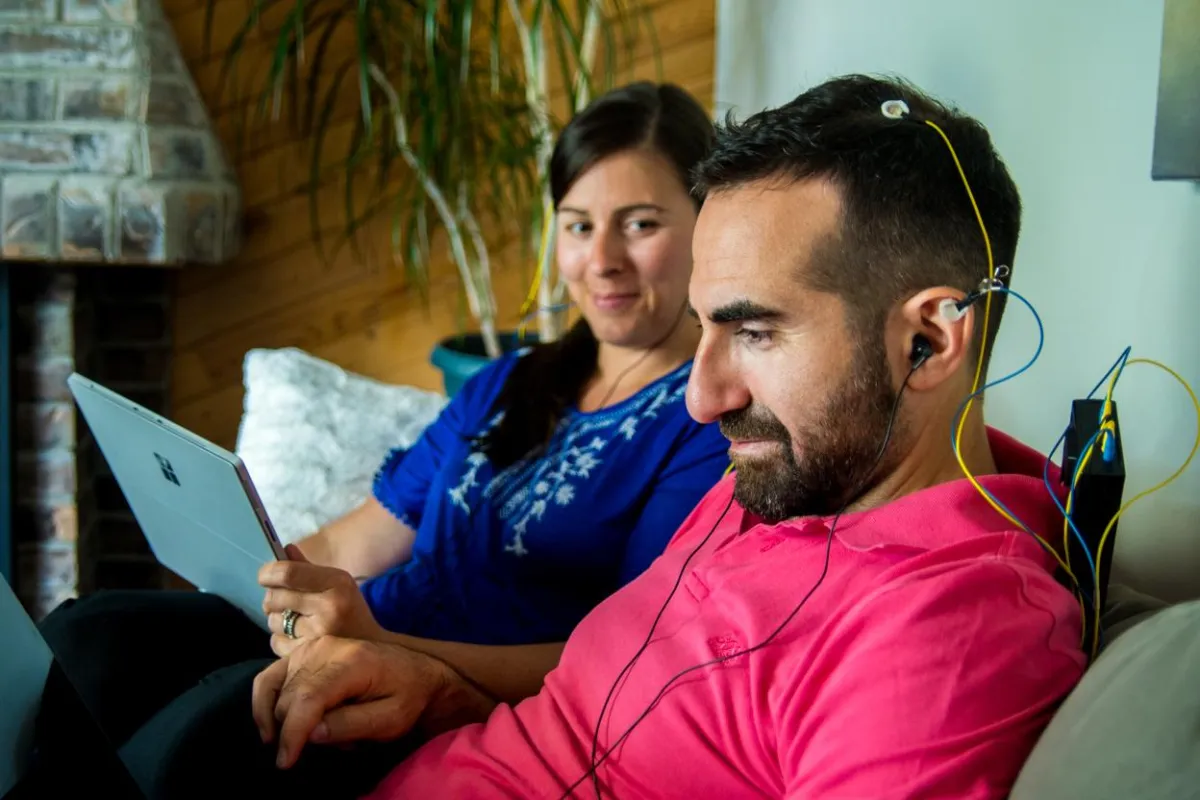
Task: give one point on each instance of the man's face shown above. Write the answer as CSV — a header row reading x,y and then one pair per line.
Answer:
x,y
803,397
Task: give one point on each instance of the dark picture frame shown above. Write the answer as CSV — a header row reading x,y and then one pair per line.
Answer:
x,y
1177,121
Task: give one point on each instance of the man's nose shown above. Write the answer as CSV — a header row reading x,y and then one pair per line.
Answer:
x,y
714,387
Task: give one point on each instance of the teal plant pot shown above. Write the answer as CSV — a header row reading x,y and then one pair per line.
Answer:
x,y
460,357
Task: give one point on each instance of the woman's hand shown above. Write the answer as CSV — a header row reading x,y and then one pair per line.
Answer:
x,y
325,600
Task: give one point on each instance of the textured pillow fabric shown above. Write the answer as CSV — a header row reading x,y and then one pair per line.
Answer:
x,y
1131,729
1124,608
312,435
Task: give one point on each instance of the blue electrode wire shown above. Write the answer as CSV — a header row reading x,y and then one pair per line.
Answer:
x,y
1041,341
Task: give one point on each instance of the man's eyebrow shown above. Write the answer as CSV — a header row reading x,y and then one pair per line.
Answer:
x,y
743,311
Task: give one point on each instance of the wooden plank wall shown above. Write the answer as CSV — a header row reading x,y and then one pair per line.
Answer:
x,y
279,292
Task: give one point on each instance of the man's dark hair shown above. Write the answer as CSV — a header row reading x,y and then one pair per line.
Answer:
x,y
907,222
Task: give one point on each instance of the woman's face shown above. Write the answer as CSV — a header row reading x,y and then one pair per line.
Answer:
x,y
624,246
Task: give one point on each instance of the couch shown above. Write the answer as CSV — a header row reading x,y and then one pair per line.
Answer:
x,y
313,433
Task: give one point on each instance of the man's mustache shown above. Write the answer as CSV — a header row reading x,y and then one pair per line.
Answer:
x,y
752,423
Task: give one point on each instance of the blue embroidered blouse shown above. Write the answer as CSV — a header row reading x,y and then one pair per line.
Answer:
x,y
521,556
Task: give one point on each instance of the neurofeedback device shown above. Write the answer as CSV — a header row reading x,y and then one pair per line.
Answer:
x,y
1099,484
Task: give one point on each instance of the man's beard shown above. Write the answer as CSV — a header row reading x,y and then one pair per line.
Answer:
x,y
841,448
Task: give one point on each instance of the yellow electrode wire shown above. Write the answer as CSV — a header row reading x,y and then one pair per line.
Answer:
x,y
1112,522
531,298
1107,428
987,307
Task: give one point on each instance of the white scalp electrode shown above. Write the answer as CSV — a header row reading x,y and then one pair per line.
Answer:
x,y
894,109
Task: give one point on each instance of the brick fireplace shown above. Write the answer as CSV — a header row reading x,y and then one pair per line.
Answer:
x,y
110,180
74,531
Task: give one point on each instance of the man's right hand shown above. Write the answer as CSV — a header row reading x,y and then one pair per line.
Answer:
x,y
331,691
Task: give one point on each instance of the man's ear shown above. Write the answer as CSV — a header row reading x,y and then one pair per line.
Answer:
x,y
923,321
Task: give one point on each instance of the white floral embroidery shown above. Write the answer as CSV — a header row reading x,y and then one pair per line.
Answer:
x,y
458,495
525,490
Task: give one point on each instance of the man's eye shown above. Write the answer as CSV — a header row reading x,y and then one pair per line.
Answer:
x,y
751,336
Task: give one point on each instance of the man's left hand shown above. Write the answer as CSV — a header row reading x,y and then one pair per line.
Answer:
x,y
336,691
327,600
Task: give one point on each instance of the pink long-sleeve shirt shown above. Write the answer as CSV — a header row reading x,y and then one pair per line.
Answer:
x,y
925,664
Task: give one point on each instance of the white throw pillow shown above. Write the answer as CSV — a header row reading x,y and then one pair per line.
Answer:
x,y
313,435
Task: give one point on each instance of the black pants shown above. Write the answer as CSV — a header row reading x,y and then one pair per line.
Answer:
x,y
168,677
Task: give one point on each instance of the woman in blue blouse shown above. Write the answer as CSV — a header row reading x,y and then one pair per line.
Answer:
x,y
520,552
555,476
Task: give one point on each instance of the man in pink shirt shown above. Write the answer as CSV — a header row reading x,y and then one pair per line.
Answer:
x,y
847,616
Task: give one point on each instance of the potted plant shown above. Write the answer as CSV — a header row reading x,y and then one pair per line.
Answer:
x,y
454,129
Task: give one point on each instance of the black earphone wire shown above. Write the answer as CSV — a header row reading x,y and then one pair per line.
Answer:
x,y
649,636
593,771
663,609
612,389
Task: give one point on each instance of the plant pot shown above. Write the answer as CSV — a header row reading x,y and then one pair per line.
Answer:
x,y
460,357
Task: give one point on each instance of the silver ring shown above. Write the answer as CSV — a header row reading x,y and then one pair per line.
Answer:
x,y
289,623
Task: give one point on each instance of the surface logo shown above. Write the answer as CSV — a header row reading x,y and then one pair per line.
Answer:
x,y
167,470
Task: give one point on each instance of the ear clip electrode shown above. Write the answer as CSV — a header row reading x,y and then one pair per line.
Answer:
x,y
954,310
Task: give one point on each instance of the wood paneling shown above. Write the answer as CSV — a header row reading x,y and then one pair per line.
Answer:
x,y
357,313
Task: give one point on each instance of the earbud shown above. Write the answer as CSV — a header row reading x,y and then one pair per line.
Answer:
x,y
922,351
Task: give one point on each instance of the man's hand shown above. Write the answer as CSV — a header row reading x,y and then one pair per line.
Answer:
x,y
333,691
328,601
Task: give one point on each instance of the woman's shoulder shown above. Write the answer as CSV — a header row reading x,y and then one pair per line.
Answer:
x,y
485,384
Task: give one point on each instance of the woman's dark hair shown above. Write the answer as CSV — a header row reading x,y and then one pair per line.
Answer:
x,y
544,383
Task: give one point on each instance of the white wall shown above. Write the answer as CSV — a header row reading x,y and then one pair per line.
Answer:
x,y
1109,257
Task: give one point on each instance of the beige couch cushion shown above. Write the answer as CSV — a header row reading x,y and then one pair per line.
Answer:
x,y
1131,728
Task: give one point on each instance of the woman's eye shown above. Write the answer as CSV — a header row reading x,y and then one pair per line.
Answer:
x,y
642,225
579,228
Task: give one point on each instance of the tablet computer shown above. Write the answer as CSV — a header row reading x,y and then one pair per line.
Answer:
x,y
194,501
29,672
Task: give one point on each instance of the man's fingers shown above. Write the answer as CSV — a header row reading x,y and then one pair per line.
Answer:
x,y
307,696
304,709
267,685
374,720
